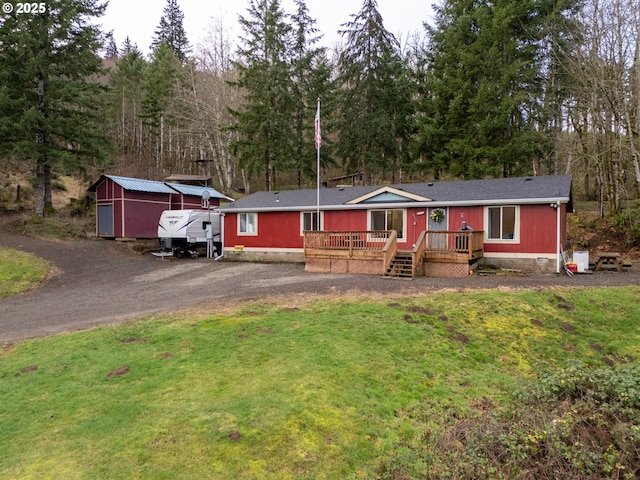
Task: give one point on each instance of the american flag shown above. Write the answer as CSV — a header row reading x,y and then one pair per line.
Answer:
x,y
318,136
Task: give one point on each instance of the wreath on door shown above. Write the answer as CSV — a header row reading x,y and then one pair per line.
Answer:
x,y
437,215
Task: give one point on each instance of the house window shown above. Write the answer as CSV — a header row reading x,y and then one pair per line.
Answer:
x,y
501,223
309,221
247,224
387,220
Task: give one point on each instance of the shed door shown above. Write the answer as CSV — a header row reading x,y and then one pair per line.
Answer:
x,y
105,220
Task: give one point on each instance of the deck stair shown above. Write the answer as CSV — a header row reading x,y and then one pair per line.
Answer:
x,y
401,266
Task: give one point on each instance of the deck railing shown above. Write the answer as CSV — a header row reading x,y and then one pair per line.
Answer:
x,y
469,242
453,246
373,240
417,254
379,246
390,249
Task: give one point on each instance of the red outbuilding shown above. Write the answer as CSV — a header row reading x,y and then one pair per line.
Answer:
x,y
131,207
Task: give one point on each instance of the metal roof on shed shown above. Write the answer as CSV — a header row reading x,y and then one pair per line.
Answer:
x,y
136,184
196,191
152,186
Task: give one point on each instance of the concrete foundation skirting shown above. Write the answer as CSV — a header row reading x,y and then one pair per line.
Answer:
x,y
529,265
261,256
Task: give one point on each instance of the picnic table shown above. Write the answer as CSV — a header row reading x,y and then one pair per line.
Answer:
x,y
608,258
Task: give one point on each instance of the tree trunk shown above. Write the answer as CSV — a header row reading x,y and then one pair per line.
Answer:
x,y
245,181
42,156
48,197
39,211
267,175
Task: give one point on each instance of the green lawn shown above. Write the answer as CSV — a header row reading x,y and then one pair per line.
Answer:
x,y
335,388
20,271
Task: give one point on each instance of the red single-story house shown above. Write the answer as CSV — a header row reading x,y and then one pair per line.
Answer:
x,y
131,207
521,221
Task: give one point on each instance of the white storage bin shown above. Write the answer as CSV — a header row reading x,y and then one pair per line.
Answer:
x,y
582,259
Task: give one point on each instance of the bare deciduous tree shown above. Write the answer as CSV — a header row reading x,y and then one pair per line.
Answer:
x,y
202,109
604,108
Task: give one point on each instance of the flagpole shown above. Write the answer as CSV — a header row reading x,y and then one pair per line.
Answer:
x,y
318,142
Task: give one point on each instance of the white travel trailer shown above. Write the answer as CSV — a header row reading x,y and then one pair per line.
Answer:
x,y
188,231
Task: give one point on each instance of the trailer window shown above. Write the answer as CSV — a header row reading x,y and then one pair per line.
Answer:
x,y
247,224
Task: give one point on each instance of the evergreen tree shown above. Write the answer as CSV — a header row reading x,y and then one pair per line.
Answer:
x,y
50,109
111,48
375,100
171,31
159,81
126,99
264,123
482,112
311,80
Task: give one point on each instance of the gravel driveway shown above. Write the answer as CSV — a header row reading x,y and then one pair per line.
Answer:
x,y
101,282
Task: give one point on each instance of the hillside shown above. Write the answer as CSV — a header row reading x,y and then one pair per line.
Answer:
x,y
587,231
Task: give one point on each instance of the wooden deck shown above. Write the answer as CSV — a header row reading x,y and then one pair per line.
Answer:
x,y
374,251
453,246
367,251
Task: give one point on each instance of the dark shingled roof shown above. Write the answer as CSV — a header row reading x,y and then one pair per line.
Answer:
x,y
470,192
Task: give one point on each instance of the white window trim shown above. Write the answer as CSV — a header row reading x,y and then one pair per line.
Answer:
x,y
248,234
516,233
302,221
404,221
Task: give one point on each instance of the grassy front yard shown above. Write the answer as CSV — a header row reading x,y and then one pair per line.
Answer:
x,y
20,271
330,388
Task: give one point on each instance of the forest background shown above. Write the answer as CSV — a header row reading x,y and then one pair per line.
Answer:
x,y
489,89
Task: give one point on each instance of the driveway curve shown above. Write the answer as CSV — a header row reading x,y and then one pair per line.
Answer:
x,y
99,282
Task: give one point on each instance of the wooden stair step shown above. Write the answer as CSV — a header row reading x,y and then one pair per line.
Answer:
x,y
401,267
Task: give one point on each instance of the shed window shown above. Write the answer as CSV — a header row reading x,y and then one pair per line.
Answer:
x,y
501,223
247,223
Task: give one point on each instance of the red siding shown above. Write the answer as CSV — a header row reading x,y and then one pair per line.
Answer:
x,y
537,229
343,220
103,191
118,222
563,224
142,212
474,216
538,232
282,229
275,230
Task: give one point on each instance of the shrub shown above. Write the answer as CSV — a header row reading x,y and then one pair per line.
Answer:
x,y
81,206
575,423
629,221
